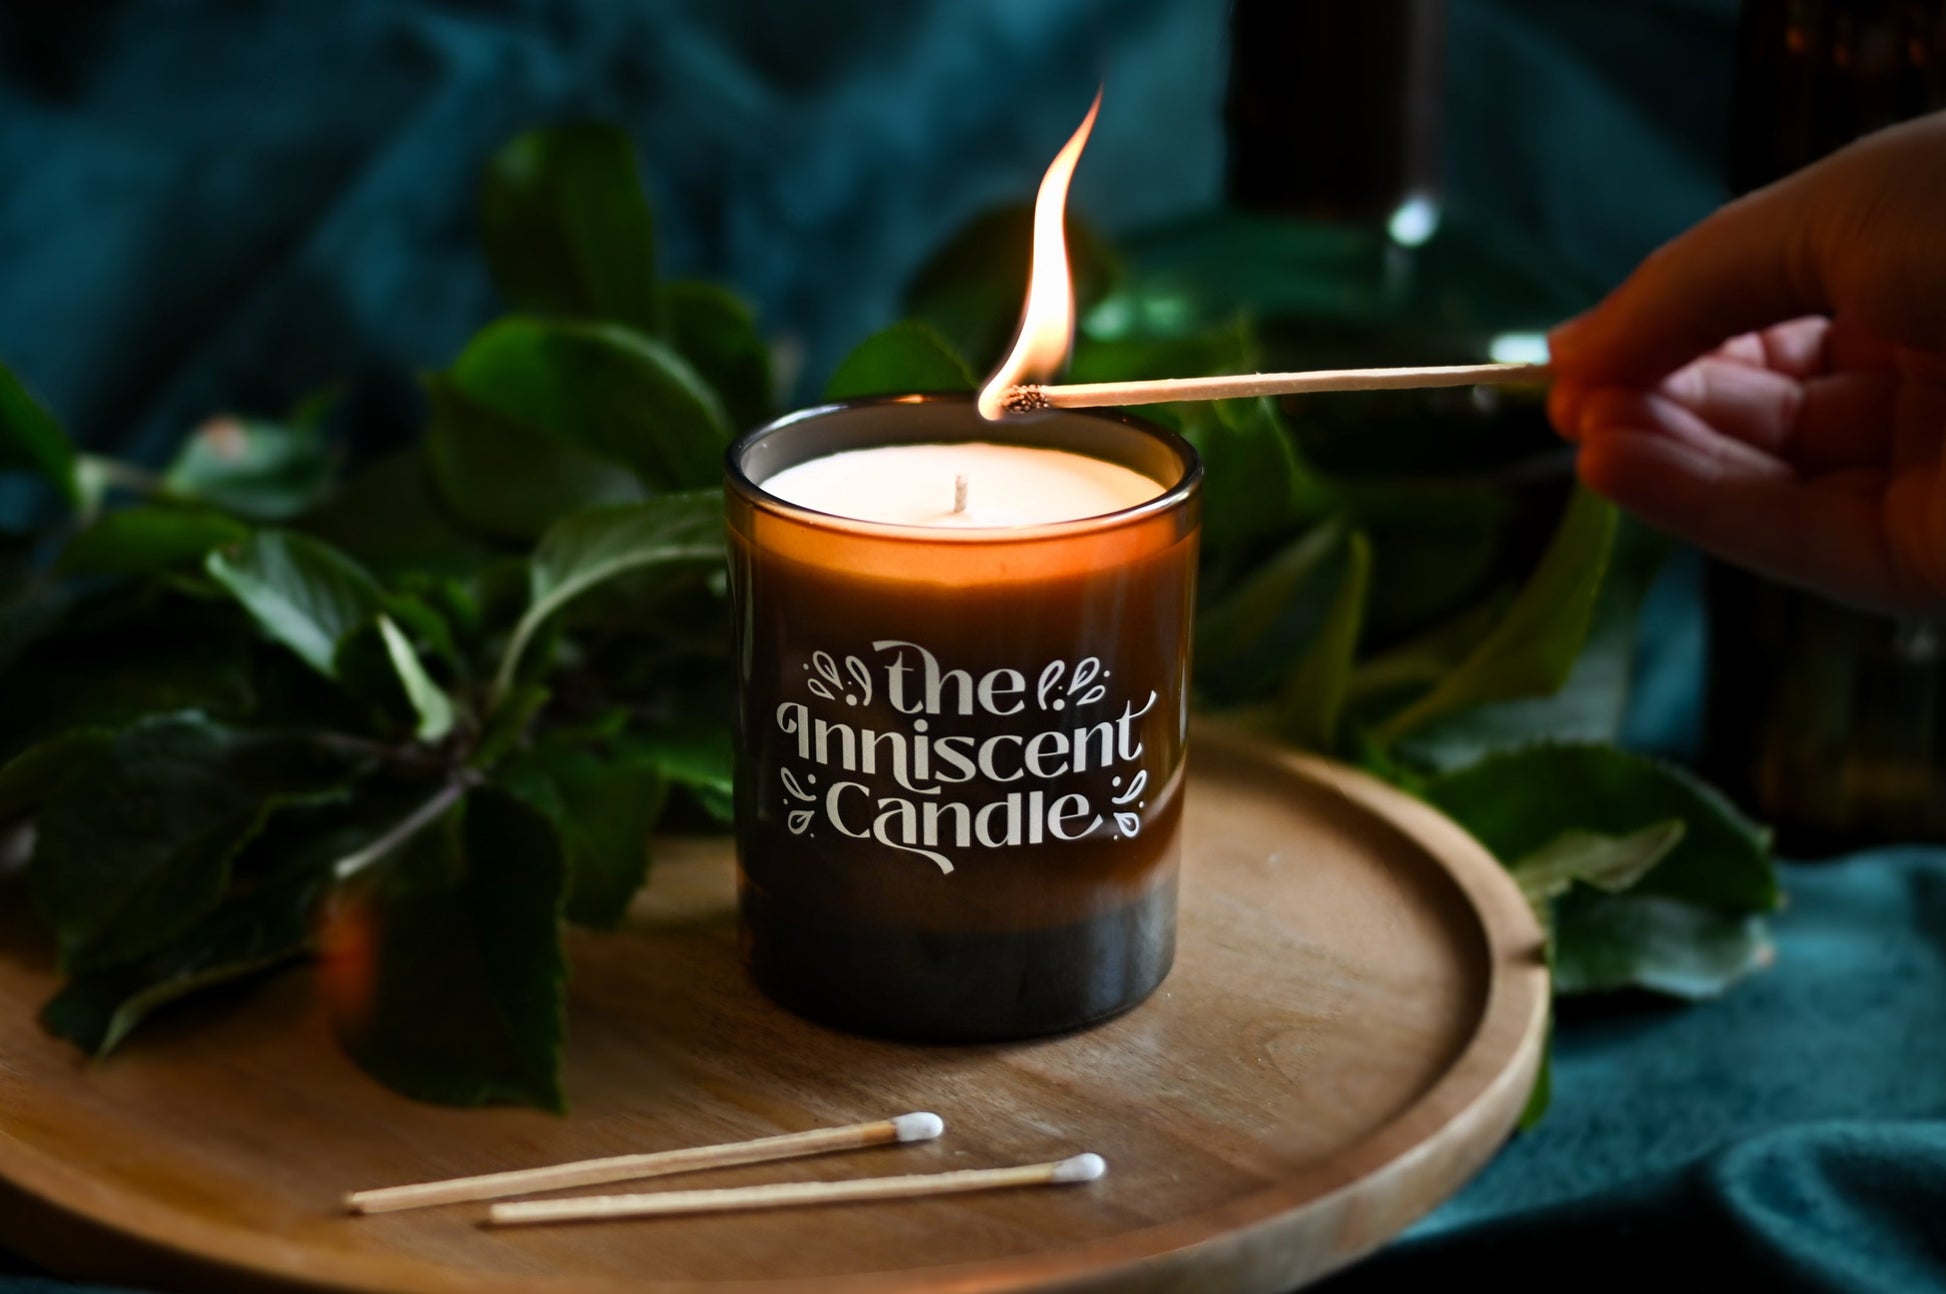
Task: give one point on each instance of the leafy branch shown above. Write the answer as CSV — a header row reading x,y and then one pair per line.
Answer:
x,y
397,719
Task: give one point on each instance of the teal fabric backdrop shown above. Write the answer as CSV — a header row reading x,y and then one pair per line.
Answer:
x,y
219,205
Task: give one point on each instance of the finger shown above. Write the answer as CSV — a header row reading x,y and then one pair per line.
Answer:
x,y
1850,347
1576,407
1825,424
1855,235
1798,347
1847,420
1565,399
1825,536
1916,418
1758,406
1795,348
1651,414
1744,268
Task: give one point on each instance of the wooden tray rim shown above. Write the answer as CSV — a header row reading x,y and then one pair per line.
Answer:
x,y
1486,1085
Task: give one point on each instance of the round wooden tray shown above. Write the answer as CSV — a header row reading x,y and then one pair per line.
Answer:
x,y
1355,1016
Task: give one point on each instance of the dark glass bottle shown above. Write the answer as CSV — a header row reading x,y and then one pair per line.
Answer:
x,y
1337,244
1333,109
1828,722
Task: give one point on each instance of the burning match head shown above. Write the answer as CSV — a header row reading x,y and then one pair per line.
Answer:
x,y
1025,399
921,1126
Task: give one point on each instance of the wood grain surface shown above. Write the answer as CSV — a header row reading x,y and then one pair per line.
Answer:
x,y
1356,1013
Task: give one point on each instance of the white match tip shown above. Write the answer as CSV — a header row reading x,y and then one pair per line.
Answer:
x,y
921,1126
1082,1168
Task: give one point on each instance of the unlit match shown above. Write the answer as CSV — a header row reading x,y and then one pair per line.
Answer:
x,y
1085,395
780,1195
919,1126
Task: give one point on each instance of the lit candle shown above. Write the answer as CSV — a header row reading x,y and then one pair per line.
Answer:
x,y
974,485
960,733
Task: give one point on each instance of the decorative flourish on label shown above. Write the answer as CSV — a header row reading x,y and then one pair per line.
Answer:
x,y
1084,674
828,678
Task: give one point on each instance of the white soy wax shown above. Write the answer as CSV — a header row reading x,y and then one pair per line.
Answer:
x,y
976,485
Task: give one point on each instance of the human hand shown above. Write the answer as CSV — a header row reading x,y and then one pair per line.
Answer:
x,y
1771,385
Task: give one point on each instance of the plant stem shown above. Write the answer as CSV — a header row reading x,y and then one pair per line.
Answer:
x,y
402,832
128,476
503,679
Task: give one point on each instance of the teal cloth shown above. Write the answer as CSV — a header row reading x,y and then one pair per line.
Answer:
x,y
219,205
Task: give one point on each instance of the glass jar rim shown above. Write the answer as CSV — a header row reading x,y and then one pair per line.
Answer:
x,y
1172,496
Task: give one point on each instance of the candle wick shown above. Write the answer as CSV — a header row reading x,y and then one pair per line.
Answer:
x,y
959,494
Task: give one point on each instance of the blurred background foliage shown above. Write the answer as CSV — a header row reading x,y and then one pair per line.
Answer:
x,y
1404,580
224,204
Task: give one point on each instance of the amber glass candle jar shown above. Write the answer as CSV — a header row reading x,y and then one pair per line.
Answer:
x,y
960,751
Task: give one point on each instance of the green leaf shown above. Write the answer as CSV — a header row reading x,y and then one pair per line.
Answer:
x,y
971,289
141,540
1253,482
429,700
582,551
425,625
367,669
907,358
263,927
135,845
1590,705
508,725
1229,348
1247,639
567,228
603,390
301,592
1428,573
468,978
604,808
1609,863
268,919
389,516
1311,701
1421,661
1519,802
502,478
27,618
713,328
262,471
694,755
1187,272
1612,941
32,441
436,606
129,651
31,777
1533,650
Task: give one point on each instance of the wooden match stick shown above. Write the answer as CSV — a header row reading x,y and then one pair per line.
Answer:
x,y
595,1208
621,1168
1027,399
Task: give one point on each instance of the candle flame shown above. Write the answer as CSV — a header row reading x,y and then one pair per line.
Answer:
x,y
1047,319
